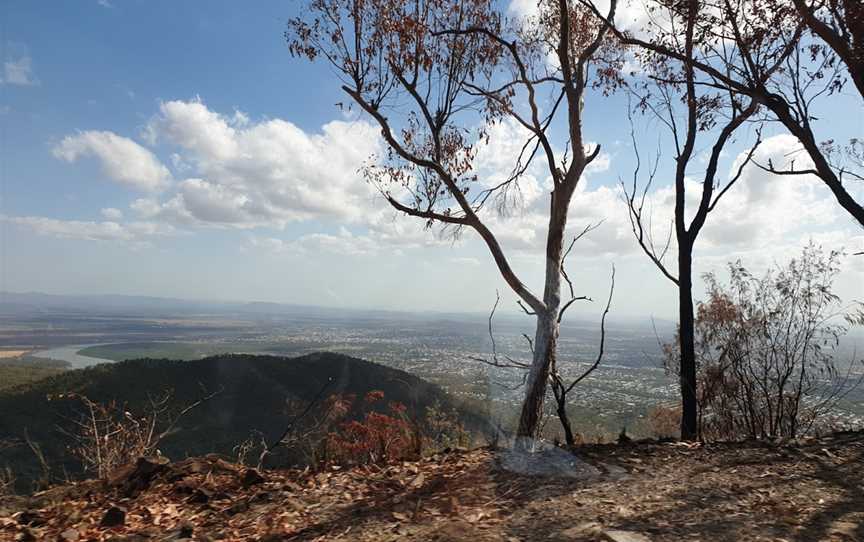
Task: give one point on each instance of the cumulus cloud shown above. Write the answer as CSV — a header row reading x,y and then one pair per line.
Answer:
x,y
111,213
753,217
247,174
343,243
92,231
242,173
19,71
123,160
756,212
629,14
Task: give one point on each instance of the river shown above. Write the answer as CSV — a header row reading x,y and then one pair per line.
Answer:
x,y
70,355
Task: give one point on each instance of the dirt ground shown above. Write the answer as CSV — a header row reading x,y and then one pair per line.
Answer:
x,y
811,490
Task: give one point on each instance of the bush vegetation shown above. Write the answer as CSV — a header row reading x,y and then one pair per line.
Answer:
x,y
767,350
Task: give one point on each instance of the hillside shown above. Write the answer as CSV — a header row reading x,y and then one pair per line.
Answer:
x,y
16,375
253,392
640,492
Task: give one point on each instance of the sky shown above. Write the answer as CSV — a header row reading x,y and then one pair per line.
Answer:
x,y
176,149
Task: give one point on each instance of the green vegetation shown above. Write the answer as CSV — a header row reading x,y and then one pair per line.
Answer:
x,y
17,375
254,399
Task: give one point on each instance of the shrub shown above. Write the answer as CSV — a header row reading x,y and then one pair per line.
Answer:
x,y
107,436
377,438
767,349
664,421
7,482
444,430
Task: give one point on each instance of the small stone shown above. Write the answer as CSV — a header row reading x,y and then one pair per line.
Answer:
x,y
114,517
184,532
31,518
252,477
845,528
580,531
625,536
237,507
200,496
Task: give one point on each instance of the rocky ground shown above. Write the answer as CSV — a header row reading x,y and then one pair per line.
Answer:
x,y
811,490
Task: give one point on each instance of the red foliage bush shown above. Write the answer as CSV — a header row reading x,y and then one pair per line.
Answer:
x,y
378,438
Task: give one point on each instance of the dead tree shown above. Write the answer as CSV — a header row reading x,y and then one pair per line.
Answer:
x,y
426,73
708,114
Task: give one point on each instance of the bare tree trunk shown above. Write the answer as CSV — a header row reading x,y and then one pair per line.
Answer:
x,y
545,345
546,336
687,346
565,422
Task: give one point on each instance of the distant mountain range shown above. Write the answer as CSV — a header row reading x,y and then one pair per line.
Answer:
x,y
38,303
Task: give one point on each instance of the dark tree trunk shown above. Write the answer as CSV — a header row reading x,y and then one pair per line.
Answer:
x,y
801,130
687,345
565,423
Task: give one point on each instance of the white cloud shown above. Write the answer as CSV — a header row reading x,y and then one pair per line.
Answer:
x,y
19,72
92,231
248,174
122,159
756,213
111,213
629,14
343,243
753,218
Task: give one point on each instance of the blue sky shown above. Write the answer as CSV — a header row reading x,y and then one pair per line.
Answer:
x,y
132,129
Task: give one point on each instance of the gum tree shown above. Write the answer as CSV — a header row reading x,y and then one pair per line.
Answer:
x,y
434,74
697,115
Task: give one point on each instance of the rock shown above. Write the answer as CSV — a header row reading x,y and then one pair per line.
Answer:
x,y
580,531
625,536
237,507
138,477
615,472
252,477
31,518
846,528
551,461
70,535
184,532
114,517
201,495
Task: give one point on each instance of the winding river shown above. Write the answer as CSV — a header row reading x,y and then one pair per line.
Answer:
x,y
70,355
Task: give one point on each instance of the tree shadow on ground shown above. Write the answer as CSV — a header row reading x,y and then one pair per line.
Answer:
x,y
723,492
728,492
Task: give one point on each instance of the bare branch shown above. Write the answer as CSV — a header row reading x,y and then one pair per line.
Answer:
x,y
599,357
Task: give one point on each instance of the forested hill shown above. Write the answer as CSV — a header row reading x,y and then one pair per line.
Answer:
x,y
256,396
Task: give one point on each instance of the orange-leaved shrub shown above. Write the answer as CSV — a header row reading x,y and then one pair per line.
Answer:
x,y
379,437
